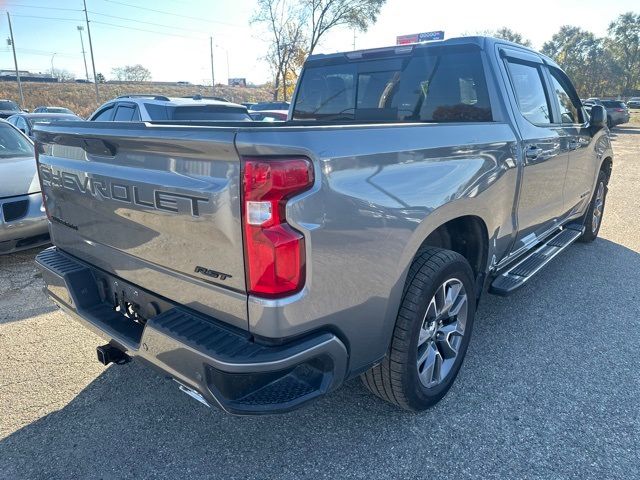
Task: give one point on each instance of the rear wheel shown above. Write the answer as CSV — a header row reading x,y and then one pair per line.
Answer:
x,y
593,217
431,334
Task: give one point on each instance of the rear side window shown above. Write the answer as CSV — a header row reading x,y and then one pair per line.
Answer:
x,y
530,92
427,87
570,106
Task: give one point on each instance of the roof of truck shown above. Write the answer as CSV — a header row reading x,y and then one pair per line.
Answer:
x,y
481,41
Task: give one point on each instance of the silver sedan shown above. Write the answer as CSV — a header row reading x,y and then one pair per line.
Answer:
x,y
23,221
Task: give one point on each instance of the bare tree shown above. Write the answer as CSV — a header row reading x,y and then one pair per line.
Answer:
x,y
325,15
62,75
285,22
131,73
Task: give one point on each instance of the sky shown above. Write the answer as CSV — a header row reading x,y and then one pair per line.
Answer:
x,y
171,37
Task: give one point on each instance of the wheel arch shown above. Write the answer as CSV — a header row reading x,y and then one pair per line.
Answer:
x,y
466,235
607,166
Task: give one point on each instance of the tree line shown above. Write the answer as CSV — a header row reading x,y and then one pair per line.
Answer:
x,y
598,66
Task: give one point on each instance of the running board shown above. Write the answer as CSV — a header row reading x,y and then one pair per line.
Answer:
x,y
517,275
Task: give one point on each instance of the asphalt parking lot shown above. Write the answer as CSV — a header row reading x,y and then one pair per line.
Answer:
x,y
550,388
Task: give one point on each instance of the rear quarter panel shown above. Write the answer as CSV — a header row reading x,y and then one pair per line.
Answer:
x,y
379,192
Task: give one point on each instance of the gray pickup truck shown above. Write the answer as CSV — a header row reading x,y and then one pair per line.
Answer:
x,y
261,265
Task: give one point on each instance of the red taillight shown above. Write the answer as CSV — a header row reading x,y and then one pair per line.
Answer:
x,y
274,251
619,109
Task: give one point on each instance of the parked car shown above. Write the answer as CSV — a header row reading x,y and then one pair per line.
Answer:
x,y
248,105
269,115
270,106
147,108
25,121
53,110
8,108
23,223
261,267
634,102
617,111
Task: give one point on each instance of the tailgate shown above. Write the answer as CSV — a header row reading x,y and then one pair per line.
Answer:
x,y
158,206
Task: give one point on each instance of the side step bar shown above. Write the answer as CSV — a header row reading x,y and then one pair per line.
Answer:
x,y
517,275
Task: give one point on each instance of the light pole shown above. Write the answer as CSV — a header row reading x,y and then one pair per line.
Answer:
x,y
11,42
93,61
52,70
84,57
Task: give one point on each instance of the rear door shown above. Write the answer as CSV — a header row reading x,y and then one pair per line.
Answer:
x,y
156,206
544,145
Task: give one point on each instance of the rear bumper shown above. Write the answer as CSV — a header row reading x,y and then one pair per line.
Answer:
x,y
224,366
23,223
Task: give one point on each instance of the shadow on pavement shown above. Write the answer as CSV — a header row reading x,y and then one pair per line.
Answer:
x,y
549,388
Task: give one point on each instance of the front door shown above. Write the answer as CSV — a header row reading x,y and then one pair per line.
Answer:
x,y
545,151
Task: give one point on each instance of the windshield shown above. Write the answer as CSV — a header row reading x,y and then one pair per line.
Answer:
x,y
13,144
8,105
443,86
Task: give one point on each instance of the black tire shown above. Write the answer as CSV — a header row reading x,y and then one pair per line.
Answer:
x,y
609,123
396,379
591,226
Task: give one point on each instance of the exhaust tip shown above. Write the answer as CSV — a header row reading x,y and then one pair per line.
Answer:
x,y
109,354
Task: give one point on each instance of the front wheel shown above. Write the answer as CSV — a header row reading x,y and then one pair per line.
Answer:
x,y
593,217
431,334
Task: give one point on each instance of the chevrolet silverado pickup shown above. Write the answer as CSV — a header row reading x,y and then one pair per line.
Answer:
x,y
262,265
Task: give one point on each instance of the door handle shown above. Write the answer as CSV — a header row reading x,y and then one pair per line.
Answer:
x,y
533,152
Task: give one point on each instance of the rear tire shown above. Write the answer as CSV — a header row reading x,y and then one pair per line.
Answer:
x,y
595,212
431,334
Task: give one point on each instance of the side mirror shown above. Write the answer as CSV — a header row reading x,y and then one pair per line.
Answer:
x,y
598,116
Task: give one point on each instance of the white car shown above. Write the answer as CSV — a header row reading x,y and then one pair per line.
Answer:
x,y
23,221
148,108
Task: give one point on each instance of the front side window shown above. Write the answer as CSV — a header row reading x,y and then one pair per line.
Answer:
x,y
530,93
125,113
570,110
104,115
438,86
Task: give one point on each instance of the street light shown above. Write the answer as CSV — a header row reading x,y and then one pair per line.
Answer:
x,y
84,57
